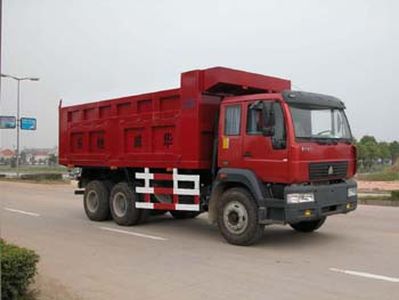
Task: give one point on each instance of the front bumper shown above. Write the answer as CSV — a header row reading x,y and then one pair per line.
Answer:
x,y
328,200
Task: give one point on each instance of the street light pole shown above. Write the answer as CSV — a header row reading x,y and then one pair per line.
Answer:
x,y
18,123
18,79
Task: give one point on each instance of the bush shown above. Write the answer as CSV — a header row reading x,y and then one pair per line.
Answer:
x,y
395,195
18,267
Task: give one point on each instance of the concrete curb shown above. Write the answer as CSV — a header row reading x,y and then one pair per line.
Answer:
x,y
377,202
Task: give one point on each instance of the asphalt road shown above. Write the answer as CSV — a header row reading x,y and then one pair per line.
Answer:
x,y
353,256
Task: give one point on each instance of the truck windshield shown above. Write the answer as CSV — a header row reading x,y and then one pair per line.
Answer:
x,y
320,123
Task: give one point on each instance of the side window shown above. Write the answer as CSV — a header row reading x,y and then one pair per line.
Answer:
x,y
232,120
254,121
279,127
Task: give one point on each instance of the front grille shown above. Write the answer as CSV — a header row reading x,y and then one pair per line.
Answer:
x,y
328,170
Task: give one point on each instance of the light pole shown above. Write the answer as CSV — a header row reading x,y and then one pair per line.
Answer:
x,y
18,79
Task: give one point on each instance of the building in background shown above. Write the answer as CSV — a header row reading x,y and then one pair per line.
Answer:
x,y
30,156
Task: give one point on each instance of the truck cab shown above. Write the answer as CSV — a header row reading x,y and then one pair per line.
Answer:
x,y
293,151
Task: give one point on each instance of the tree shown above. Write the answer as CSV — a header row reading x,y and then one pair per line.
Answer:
x,y
52,160
368,151
384,150
13,162
362,154
22,158
394,149
371,152
368,139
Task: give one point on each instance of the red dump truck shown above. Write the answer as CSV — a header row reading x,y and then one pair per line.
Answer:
x,y
243,147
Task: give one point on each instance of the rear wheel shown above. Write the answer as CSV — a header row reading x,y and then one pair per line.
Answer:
x,y
308,226
95,200
144,215
178,214
238,217
122,204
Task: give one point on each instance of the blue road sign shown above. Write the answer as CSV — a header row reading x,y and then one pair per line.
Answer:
x,y
28,123
8,122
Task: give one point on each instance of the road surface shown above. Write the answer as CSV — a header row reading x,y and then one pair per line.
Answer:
x,y
353,256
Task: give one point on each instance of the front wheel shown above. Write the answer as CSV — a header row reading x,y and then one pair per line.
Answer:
x,y
237,217
308,226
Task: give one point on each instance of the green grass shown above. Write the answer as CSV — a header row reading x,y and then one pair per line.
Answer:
x,y
39,181
35,169
393,196
379,198
386,175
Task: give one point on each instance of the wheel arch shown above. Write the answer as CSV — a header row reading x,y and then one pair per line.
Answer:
x,y
104,174
228,178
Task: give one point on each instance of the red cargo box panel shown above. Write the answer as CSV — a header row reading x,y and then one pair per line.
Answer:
x,y
171,128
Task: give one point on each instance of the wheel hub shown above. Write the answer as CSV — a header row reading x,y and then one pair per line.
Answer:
x,y
235,217
120,204
92,201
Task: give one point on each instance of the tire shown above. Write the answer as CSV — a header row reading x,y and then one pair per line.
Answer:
x,y
144,215
122,205
109,184
96,201
308,226
237,217
180,215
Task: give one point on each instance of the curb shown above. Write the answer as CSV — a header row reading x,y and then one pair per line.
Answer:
x,y
376,202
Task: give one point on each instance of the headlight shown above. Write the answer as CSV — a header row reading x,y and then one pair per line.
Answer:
x,y
352,192
300,198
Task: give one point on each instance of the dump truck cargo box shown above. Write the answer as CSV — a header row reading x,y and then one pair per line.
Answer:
x,y
171,128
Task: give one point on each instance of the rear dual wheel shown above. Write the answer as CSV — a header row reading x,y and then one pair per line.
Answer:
x,y
103,199
96,200
122,205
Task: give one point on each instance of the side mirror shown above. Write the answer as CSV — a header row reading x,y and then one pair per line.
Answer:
x,y
269,119
258,105
268,131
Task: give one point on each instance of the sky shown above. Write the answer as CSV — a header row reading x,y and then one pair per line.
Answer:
x,y
88,50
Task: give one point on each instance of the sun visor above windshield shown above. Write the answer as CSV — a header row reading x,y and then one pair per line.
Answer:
x,y
312,100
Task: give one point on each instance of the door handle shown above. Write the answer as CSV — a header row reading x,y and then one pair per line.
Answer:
x,y
247,154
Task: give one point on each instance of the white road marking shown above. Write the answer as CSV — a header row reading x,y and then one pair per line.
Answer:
x,y
152,237
28,213
367,275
